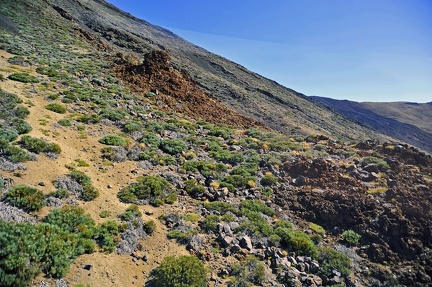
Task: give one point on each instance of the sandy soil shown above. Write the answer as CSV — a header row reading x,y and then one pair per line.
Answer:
x,y
105,269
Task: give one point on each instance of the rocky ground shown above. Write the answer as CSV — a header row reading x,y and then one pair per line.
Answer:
x,y
258,207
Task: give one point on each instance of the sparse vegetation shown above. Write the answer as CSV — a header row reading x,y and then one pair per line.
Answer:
x,y
23,77
173,147
182,271
156,190
25,197
351,237
57,108
113,140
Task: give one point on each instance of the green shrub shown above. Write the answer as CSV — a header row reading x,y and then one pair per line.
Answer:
x,y
257,206
61,193
64,123
382,164
173,147
351,237
221,207
27,249
149,227
250,273
89,191
88,119
210,223
150,139
227,156
113,140
298,241
38,145
21,112
317,229
269,179
21,126
183,271
49,71
104,213
193,188
332,259
206,168
255,223
155,189
13,153
25,197
8,134
57,108
23,77
240,181
131,213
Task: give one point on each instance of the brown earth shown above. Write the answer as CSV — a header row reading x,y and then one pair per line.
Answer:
x,y
176,91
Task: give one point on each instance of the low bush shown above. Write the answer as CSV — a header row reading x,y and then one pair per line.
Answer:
x,y
27,249
89,192
25,197
206,168
112,139
250,273
240,181
21,126
131,213
172,146
221,207
269,179
351,237
382,164
155,189
298,241
227,156
149,227
49,71
183,271
104,213
257,206
331,259
150,139
21,112
64,123
8,134
23,77
193,188
38,145
209,224
57,108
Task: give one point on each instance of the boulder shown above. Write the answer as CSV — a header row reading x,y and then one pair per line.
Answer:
x,y
245,242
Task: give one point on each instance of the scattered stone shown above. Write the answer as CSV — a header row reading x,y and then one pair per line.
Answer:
x,y
87,267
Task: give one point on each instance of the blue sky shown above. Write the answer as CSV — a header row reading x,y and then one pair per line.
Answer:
x,y
364,50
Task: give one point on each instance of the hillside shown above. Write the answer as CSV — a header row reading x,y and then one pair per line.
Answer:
x,y
123,145
407,122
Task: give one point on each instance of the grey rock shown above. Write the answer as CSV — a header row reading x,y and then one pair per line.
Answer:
x,y
195,243
245,242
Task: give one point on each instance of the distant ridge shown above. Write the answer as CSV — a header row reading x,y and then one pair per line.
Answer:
x,y
407,121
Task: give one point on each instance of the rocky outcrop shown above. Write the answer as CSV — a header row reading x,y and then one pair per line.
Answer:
x,y
175,90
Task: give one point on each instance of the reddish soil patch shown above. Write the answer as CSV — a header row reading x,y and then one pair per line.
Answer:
x,y
177,91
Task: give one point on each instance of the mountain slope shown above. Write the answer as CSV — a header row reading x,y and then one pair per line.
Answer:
x,y
408,122
253,95
113,156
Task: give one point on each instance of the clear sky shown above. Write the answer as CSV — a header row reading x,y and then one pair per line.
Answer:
x,y
361,50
